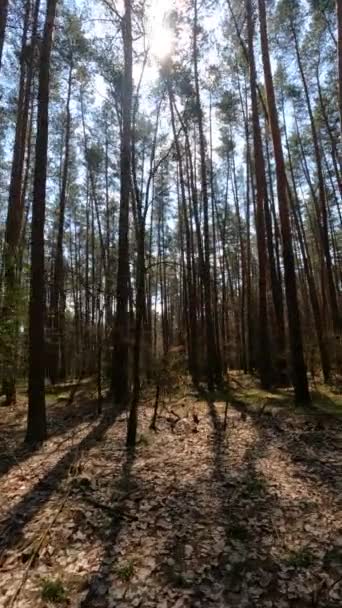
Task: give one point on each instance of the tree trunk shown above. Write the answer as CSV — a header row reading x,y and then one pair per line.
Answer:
x,y
295,333
264,356
339,31
15,214
193,354
3,23
323,216
120,383
36,422
214,371
140,305
57,293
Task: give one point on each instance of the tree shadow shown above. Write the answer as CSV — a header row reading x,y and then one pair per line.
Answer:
x,y
29,506
312,439
100,581
60,422
245,564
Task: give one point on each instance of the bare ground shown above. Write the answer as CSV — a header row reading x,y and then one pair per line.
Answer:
x,y
204,513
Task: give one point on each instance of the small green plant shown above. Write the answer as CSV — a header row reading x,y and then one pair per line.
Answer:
x,y
126,571
53,591
303,558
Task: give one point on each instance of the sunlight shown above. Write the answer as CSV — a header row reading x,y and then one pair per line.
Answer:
x,y
161,42
161,36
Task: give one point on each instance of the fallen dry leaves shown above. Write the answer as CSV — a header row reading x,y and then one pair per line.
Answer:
x,y
199,516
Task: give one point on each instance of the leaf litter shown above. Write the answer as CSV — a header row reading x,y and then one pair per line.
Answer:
x,y
199,516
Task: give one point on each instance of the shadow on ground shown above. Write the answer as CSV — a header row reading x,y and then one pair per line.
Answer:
x,y
248,569
29,506
62,419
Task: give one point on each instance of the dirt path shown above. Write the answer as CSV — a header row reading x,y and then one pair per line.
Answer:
x,y
199,516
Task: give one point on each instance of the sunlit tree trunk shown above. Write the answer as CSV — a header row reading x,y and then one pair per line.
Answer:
x,y
264,356
15,214
295,334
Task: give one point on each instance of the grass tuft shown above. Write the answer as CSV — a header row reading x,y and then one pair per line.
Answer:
x,y
53,591
126,571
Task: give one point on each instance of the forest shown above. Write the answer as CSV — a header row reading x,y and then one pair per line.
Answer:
x,y
170,303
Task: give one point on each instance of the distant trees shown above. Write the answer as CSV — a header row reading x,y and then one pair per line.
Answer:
x,y
189,203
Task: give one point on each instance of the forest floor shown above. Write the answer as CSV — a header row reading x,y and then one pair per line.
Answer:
x,y
235,501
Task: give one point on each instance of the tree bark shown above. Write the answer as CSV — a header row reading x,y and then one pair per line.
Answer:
x,y
15,214
36,422
295,333
56,367
193,355
339,51
3,23
323,215
264,355
214,371
120,375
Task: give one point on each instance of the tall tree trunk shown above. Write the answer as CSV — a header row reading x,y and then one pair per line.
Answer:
x,y
193,354
3,23
57,292
140,306
15,213
324,353
120,383
323,216
214,371
275,272
36,422
339,31
336,160
264,355
295,333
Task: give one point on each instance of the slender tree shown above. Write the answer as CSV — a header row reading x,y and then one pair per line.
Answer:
x,y
3,23
295,334
339,54
120,379
264,355
36,422
214,371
